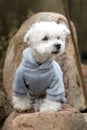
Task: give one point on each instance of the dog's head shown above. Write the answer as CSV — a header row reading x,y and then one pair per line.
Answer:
x,y
47,38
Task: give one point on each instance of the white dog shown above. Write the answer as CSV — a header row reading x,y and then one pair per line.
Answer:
x,y
39,80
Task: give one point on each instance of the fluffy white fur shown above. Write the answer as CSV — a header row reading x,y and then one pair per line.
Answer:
x,y
43,38
45,49
22,103
47,105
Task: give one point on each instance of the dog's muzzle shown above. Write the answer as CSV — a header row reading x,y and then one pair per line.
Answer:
x,y
57,48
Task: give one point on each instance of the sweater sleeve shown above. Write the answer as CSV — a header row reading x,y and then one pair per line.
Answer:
x,y
19,87
56,91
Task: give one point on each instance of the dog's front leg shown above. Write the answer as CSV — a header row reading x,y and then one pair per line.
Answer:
x,y
22,103
47,105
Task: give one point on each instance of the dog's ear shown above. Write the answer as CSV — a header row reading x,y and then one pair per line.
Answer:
x,y
65,29
63,23
26,37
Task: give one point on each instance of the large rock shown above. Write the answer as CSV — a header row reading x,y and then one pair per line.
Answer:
x,y
68,62
84,70
63,120
5,106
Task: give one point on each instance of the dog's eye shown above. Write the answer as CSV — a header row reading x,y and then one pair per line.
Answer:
x,y
45,38
58,38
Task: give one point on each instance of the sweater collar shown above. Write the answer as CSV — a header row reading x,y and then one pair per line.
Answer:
x,y
29,60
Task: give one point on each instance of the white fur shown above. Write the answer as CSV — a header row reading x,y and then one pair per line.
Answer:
x,y
22,103
43,50
56,33
47,105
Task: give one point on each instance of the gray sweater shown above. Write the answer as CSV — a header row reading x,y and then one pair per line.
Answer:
x,y
35,80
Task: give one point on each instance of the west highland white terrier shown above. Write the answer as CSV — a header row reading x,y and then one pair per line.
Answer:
x,y
38,81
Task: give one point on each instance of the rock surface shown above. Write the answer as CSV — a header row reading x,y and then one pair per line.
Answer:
x,y
63,120
5,106
68,62
84,70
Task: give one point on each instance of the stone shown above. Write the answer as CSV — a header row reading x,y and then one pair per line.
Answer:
x,y
62,120
85,116
68,62
84,70
5,106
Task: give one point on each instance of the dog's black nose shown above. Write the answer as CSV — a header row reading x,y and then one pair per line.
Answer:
x,y
58,46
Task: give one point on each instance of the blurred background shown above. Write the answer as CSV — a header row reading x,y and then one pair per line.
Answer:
x,y
14,13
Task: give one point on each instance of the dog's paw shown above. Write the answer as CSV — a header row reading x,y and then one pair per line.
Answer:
x,y
47,105
22,104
